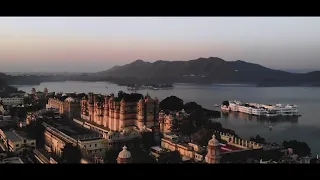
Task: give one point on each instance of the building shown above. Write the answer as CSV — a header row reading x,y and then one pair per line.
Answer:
x,y
117,113
116,139
215,152
12,160
16,141
171,122
59,132
124,156
11,101
65,105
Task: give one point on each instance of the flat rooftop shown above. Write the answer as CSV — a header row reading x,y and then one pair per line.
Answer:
x,y
72,129
13,137
228,148
13,160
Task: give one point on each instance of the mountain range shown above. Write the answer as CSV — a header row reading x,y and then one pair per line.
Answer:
x,y
199,71
210,70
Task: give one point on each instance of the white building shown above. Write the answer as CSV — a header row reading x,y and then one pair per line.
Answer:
x,y
12,101
16,142
12,160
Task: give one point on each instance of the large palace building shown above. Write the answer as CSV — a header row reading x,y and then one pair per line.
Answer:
x,y
117,113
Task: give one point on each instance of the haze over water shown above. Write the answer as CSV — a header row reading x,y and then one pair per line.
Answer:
x,y
306,129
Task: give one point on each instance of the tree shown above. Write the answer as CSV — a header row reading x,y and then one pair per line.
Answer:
x,y
172,157
147,140
187,128
258,139
71,154
192,106
141,156
300,148
171,103
225,103
111,156
198,118
203,136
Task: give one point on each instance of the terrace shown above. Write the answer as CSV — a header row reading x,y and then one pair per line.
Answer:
x,y
72,129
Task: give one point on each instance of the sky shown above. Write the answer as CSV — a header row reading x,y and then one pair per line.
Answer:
x,y
92,44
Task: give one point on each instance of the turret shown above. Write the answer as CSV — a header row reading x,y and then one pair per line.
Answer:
x,y
124,156
213,155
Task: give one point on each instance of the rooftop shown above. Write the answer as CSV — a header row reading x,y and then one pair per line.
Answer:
x,y
12,136
71,129
13,160
224,148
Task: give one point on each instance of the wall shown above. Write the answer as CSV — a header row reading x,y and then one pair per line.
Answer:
x,y
240,143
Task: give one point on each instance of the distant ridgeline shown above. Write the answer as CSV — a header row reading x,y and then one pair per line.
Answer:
x,y
201,71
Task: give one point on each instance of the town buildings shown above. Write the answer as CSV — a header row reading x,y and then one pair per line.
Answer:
x,y
16,141
59,132
215,152
11,101
65,104
171,122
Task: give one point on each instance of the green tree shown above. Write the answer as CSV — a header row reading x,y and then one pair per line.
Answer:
x,y
225,103
171,103
300,148
258,139
192,106
147,140
141,156
111,156
187,128
172,157
71,154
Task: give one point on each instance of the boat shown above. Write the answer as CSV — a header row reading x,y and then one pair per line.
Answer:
x,y
270,128
216,105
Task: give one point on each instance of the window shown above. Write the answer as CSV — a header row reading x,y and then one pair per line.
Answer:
x,y
90,145
24,141
32,143
84,146
100,150
95,145
17,145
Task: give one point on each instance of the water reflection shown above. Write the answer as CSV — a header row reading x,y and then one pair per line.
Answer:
x,y
261,119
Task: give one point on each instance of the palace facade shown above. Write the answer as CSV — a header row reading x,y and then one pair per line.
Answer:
x,y
115,113
65,105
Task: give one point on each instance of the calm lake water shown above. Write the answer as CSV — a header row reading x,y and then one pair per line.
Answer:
x,y
306,128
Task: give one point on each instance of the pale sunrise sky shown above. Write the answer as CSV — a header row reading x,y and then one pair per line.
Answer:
x,y
90,44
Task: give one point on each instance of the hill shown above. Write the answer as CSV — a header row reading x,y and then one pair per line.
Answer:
x,y
4,87
202,70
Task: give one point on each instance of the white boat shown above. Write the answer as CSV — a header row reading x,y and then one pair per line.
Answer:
x,y
216,105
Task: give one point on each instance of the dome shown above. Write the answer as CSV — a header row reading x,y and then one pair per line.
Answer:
x,y
124,154
214,141
126,130
70,100
110,133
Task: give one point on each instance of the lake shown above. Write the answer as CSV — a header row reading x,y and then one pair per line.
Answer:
x,y
306,128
